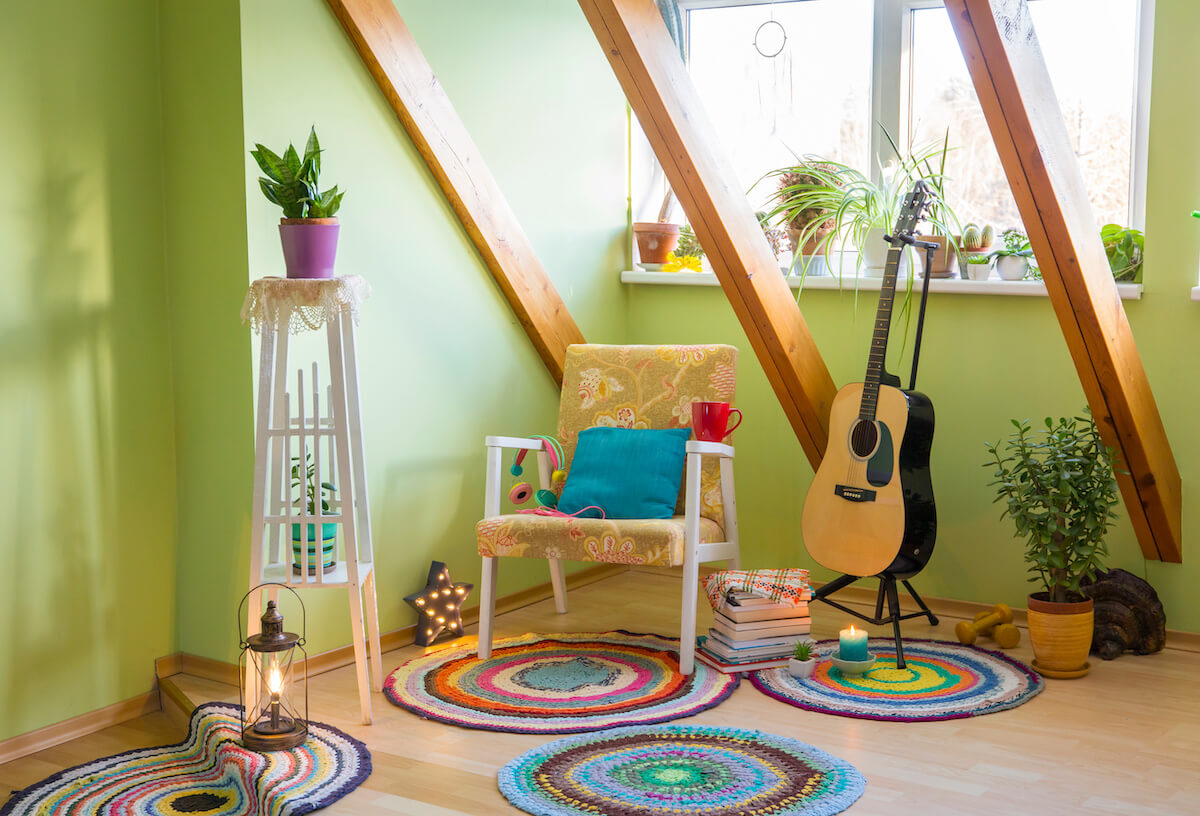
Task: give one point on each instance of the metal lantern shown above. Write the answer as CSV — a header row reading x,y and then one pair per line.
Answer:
x,y
270,720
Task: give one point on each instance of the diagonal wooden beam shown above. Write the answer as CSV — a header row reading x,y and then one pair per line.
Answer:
x,y
660,92
1014,88
402,73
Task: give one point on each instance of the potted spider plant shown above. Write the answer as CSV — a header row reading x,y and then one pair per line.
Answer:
x,y
309,227
802,663
1059,488
861,210
939,214
304,476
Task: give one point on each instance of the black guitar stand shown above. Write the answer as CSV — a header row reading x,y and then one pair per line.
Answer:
x,y
887,580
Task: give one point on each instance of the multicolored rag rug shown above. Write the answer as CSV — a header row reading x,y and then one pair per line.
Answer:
x,y
941,681
209,774
694,769
557,684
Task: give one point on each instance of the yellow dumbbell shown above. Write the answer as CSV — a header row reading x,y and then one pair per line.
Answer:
x,y
997,624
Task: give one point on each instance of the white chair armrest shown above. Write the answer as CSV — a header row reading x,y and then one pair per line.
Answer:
x,y
514,442
710,449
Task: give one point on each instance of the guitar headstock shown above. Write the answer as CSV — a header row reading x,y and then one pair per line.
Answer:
x,y
912,210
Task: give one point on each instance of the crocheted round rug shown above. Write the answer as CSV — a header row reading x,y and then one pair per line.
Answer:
x,y
941,681
560,684
693,769
208,774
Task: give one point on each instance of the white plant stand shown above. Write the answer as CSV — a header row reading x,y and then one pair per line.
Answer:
x,y
326,424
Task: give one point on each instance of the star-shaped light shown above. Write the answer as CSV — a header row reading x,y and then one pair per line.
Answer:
x,y
438,605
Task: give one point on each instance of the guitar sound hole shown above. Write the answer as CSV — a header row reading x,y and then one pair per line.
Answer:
x,y
864,436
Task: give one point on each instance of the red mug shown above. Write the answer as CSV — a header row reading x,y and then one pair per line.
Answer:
x,y
709,420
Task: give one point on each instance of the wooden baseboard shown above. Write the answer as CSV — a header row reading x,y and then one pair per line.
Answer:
x,y
222,672
87,723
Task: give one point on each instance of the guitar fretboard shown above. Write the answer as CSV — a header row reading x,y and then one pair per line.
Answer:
x,y
879,338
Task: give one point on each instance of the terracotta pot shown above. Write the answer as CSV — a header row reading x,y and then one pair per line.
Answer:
x,y
945,259
1061,634
309,246
655,241
812,246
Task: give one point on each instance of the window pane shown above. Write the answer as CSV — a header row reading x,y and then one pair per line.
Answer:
x,y
813,97
1089,47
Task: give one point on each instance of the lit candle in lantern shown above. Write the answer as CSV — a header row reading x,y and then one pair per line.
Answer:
x,y
274,685
852,644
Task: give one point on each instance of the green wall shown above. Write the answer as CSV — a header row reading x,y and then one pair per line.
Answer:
x,y
86,422
443,362
987,359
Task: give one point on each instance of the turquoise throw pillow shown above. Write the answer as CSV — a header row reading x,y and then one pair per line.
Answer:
x,y
631,473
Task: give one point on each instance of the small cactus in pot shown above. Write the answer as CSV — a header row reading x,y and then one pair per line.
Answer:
x,y
976,238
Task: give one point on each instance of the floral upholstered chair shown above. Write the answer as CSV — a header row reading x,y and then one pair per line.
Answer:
x,y
624,387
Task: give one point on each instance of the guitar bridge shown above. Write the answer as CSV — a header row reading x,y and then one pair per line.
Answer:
x,y
854,494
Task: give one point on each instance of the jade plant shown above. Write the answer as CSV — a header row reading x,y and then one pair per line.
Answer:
x,y
291,182
1059,488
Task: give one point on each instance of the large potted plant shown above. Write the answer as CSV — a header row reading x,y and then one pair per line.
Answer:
x,y
1059,489
861,210
309,228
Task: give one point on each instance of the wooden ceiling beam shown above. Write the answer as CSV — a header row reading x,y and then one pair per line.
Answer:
x,y
1014,88
403,74
646,63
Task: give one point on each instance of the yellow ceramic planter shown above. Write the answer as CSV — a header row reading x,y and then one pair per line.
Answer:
x,y
1061,634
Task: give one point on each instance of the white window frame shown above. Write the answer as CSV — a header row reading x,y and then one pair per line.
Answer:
x,y
892,38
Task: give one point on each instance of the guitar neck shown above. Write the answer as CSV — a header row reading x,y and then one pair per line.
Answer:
x,y
879,338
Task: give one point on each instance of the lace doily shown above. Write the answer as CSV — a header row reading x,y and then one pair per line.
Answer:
x,y
300,304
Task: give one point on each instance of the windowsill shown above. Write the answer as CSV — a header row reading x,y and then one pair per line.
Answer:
x,y
949,286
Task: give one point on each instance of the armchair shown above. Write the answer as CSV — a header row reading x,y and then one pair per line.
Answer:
x,y
632,387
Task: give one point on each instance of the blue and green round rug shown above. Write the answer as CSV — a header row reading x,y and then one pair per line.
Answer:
x,y
695,769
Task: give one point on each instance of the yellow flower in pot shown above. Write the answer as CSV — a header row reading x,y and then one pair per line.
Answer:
x,y
1058,487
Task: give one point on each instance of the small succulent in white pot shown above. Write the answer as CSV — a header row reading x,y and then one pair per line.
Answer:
x,y
802,663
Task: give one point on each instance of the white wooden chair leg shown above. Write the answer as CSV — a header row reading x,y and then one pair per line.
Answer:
x,y
360,652
487,606
691,567
253,626
376,653
687,625
559,583
729,503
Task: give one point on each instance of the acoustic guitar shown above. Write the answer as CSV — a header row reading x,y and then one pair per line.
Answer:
x,y
870,508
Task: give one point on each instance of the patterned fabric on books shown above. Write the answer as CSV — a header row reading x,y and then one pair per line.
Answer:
x,y
781,585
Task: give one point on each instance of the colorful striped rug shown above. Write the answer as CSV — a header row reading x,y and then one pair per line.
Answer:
x,y
941,681
557,684
209,774
693,769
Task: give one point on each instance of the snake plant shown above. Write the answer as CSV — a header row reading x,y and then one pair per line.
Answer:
x,y
291,181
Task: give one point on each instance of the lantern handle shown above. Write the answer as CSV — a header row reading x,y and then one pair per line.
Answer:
x,y
242,605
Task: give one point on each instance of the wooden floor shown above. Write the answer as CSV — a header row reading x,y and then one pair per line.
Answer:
x,y
1125,740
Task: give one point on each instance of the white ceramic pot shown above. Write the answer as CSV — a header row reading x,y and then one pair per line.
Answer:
x,y
978,272
801,669
874,255
1012,267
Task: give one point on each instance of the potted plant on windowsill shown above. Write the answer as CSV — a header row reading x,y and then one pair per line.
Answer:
x,y
802,663
978,267
975,242
939,214
1124,247
309,227
1012,259
656,240
1059,489
810,228
306,483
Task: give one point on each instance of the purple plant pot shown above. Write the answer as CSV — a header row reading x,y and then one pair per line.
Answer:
x,y
309,246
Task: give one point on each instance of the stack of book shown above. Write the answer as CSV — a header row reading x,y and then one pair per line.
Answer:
x,y
751,632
